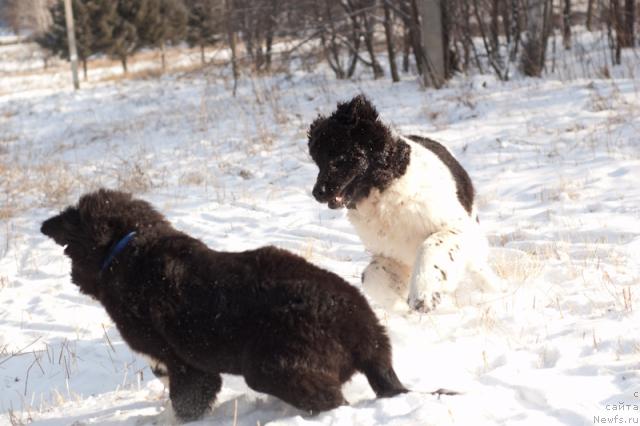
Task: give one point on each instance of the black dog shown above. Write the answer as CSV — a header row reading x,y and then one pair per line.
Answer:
x,y
291,329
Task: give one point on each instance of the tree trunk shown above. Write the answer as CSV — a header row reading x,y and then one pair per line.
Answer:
x,y
333,58
353,62
493,26
416,42
388,32
269,50
231,36
589,14
566,25
433,42
406,49
355,40
123,60
271,33
71,39
163,54
331,48
515,30
506,20
547,28
248,39
493,54
615,19
533,50
259,56
451,59
465,30
628,24
468,39
368,41
202,54
84,68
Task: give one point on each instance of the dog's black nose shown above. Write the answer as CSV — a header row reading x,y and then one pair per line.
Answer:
x,y
319,192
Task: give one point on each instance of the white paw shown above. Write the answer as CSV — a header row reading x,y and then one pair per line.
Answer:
x,y
428,285
158,368
385,282
424,301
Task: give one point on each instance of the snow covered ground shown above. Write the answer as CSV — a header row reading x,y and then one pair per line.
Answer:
x,y
556,165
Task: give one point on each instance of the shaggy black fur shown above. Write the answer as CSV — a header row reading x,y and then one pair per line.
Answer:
x,y
464,186
353,152
356,152
291,329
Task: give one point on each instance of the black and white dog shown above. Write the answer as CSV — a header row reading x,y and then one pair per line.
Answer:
x,y
410,201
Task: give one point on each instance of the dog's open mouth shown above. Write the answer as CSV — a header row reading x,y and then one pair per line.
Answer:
x,y
337,202
342,199
343,196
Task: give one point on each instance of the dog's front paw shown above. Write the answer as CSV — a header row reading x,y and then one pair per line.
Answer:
x,y
426,302
166,417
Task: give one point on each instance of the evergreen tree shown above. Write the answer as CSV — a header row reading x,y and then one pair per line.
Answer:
x,y
161,22
204,26
103,17
55,39
123,40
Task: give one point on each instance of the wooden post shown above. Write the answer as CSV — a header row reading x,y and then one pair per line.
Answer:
x,y
432,43
71,36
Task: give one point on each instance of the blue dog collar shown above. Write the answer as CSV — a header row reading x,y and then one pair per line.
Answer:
x,y
117,249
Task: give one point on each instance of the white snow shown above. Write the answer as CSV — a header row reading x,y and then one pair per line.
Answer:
x,y
556,165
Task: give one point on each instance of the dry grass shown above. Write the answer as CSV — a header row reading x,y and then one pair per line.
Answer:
x,y
11,186
192,178
434,117
488,320
269,95
518,266
132,176
142,65
57,360
14,420
599,102
56,184
145,74
308,251
46,184
7,209
565,188
149,73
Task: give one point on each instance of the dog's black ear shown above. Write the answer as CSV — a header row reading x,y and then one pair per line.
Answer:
x,y
102,212
358,108
314,126
63,226
101,202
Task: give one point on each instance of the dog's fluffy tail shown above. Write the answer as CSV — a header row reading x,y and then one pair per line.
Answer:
x,y
373,359
383,380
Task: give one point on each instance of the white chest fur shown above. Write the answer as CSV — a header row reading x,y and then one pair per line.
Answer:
x,y
395,223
